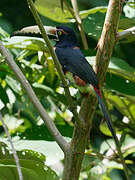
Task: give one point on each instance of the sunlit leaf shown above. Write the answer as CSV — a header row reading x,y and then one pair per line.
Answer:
x,y
85,13
43,90
129,10
118,67
126,105
49,149
52,10
29,43
32,165
13,84
3,34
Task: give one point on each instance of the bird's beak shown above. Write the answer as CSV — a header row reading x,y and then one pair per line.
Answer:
x,y
34,31
52,32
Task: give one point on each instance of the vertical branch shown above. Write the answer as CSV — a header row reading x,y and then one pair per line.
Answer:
x,y
79,22
105,49
75,13
74,156
108,38
88,105
13,149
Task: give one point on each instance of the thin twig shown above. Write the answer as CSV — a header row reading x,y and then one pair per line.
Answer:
x,y
78,119
125,33
79,22
13,149
75,13
48,121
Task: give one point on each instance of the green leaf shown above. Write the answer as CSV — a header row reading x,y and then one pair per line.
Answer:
x,y
12,122
13,84
3,33
121,68
32,165
85,13
129,10
118,67
126,105
93,24
116,174
52,10
126,23
3,95
44,90
42,133
128,146
49,149
121,85
29,43
4,70
51,73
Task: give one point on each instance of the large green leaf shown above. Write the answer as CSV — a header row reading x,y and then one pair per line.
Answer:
x,y
121,68
50,149
32,165
93,24
121,85
52,10
118,67
27,43
42,133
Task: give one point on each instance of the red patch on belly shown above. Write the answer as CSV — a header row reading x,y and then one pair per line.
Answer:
x,y
79,81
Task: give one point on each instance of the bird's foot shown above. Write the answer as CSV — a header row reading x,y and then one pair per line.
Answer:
x,y
65,86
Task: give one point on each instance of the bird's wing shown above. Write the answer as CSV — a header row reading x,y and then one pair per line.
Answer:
x,y
74,61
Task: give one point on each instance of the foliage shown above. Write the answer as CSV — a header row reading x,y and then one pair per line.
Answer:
x,y
32,56
32,165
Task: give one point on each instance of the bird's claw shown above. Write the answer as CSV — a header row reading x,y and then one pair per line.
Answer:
x,y
65,86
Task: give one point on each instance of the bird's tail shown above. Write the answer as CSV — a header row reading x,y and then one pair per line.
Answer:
x,y
103,107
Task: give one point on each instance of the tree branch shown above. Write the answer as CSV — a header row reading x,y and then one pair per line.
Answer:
x,y
88,106
12,148
57,64
105,49
79,22
125,33
74,156
48,121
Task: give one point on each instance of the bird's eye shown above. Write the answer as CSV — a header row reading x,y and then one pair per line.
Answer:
x,y
60,33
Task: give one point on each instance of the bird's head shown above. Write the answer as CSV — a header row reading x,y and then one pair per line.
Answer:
x,y
65,36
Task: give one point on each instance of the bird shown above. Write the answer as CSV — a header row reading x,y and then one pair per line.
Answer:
x,y
72,60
